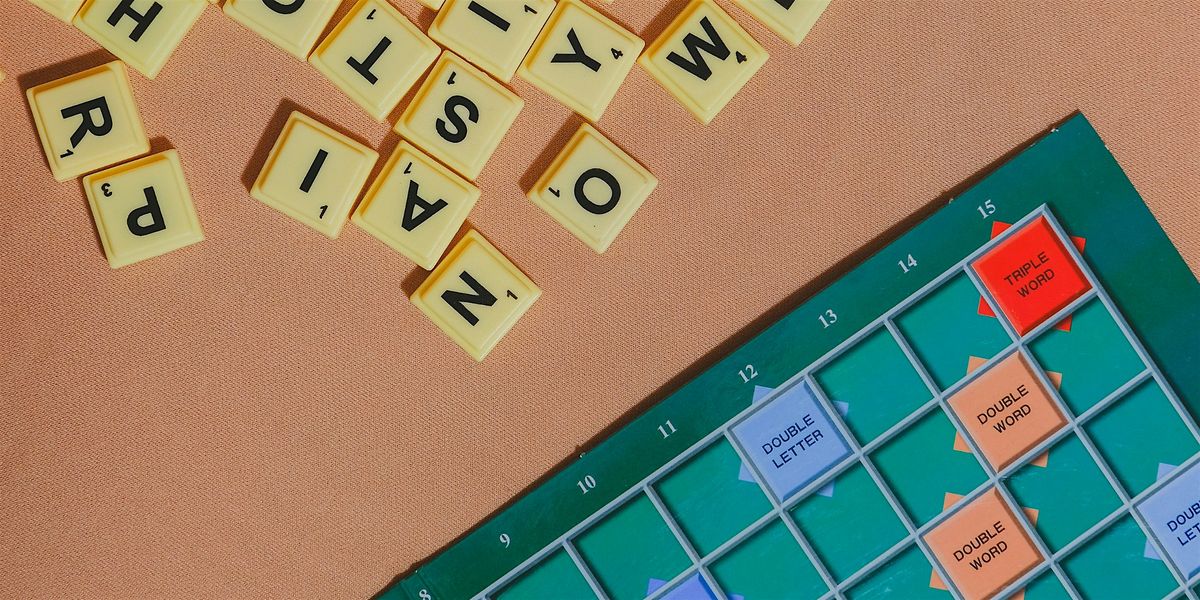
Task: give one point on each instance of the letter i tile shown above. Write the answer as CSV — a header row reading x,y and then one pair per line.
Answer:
x,y
142,209
313,174
475,295
494,34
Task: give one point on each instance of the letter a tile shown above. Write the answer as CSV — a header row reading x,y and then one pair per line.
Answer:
x,y
313,174
87,121
494,34
581,58
143,33
703,58
593,188
475,295
292,25
459,115
142,209
375,55
416,205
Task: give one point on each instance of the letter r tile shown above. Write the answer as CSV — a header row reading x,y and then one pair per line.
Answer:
x,y
142,209
703,58
313,174
87,121
475,295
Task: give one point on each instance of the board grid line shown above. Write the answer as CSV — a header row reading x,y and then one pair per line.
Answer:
x,y
860,453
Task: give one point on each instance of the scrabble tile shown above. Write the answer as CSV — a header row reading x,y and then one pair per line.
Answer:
x,y
475,295
63,10
416,205
87,121
143,33
703,58
433,4
494,34
791,19
313,174
581,58
459,115
293,25
375,54
593,188
142,209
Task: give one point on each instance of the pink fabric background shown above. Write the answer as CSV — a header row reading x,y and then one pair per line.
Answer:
x,y
265,414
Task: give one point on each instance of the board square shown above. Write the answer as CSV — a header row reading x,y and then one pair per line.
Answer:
x,y
632,552
1069,492
313,174
593,188
905,576
703,58
983,547
921,485
693,587
945,331
87,121
1094,357
416,205
849,523
459,115
375,55
142,209
770,564
1139,434
1114,565
791,441
1031,275
143,35
554,577
877,384
713,497
581,58
1173,514
1006,411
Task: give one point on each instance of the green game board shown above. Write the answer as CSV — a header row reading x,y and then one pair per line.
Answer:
x,y
823,459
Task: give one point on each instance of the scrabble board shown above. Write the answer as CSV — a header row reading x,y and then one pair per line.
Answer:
x,y
1000,402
